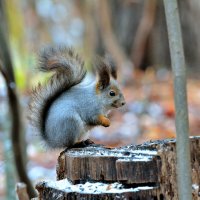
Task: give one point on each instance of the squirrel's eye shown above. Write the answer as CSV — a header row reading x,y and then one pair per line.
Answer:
x,y
112,93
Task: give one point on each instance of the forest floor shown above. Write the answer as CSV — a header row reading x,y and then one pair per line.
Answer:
x,y
149,114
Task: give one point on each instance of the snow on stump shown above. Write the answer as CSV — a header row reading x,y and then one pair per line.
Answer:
x,y
146,171
64,190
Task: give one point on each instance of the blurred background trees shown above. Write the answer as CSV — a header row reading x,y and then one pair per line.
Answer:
x,y
133,32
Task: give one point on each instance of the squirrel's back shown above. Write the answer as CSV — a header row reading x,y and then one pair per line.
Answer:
x,y
69,71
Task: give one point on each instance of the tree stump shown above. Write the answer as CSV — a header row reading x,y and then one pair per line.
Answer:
x,y
146,171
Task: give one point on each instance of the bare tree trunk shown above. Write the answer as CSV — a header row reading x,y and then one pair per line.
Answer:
x,y
143,32
182,124
110,40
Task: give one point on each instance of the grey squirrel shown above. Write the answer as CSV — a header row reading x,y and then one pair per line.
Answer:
x,y
63,109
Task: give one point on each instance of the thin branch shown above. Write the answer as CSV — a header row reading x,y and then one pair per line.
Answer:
x,y
15,131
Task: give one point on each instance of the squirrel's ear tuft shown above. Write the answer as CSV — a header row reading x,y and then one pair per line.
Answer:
x,y
103,71
112,65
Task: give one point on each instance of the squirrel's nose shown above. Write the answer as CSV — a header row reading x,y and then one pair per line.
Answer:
x,y
123,103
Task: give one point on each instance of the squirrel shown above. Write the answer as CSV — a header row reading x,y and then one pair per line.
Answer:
x,y
63,110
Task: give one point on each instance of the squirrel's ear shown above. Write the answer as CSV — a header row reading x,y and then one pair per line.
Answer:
x,y
103,71
112,64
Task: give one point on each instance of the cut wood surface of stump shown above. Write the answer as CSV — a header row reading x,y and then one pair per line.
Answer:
x,y
146,171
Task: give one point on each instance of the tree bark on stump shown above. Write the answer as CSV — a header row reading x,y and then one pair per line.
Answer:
x,y
146,171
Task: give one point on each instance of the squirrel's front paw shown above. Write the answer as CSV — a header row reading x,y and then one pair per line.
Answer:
x,y
104,121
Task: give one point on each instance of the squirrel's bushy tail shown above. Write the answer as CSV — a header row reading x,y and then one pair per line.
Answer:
x,y
69,71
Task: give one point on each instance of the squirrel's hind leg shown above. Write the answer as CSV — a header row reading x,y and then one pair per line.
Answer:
x,y
75,129
83,144
67,132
